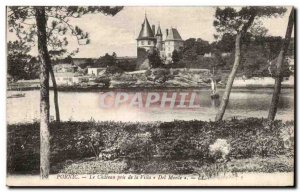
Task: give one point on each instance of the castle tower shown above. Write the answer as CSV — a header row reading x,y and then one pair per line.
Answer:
x,y
172,42
145,43
159,37
146,37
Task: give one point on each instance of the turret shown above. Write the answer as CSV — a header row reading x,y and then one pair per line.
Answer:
x,y
146,42
159,37
146,37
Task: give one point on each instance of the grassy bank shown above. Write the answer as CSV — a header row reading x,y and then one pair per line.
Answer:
x,y
168,147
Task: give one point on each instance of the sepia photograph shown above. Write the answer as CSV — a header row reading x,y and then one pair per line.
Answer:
x,y
194,96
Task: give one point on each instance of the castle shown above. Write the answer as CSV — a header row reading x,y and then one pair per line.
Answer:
x,y
149,39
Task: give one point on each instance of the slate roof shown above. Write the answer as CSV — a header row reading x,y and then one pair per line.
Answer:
x,y
146,31
173,35
158,33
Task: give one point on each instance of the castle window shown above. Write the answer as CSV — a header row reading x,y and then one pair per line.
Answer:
x,y
149,42
142,42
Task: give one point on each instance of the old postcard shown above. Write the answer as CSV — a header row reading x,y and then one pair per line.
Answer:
x,y
150,96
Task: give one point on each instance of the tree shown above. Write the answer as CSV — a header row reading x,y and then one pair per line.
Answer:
x,y
258,29
68,59
107,60
40,16
176,56
238,22
255,62
19,18
32,68
199,45
226,43
280,58
17,59
202,46
155,60
218,61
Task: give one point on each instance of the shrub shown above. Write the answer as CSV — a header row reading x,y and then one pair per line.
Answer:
x,y
125,78
287,136
176,72
138,146
161,75
148,73
113,70
103,80
180,140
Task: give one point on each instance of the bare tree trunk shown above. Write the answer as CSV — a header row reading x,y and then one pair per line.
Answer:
x,y
237,61
44,92
55,94
231,77
278,76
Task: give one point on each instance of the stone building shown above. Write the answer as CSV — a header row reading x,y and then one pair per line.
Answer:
x,y
150,39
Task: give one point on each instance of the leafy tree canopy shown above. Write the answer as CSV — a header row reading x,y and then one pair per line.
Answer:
x,y
155,60
20,65
21,21
233,20
106,60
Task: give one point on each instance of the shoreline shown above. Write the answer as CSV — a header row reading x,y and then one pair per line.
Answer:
x,y
87,89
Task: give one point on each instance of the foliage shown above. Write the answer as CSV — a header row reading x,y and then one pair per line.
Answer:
x,y
270,45
231,20
18,17
160,75
225,44
155,60
127,64
176,56
138,146
106,61
59,26
258,52
20,65
199,62
68,60
148,73
113,70
198,46
103,80
143,141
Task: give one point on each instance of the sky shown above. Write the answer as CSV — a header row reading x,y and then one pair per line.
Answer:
x,y
118,34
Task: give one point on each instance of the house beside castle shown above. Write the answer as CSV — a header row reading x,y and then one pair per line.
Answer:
x,y
150,39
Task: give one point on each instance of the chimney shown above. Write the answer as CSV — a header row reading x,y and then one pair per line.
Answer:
x,y
153,29
167,32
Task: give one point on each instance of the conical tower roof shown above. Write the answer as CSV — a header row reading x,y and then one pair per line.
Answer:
x,y
159,33
146,31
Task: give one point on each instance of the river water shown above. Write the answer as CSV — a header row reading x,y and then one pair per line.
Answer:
x,y
84,106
